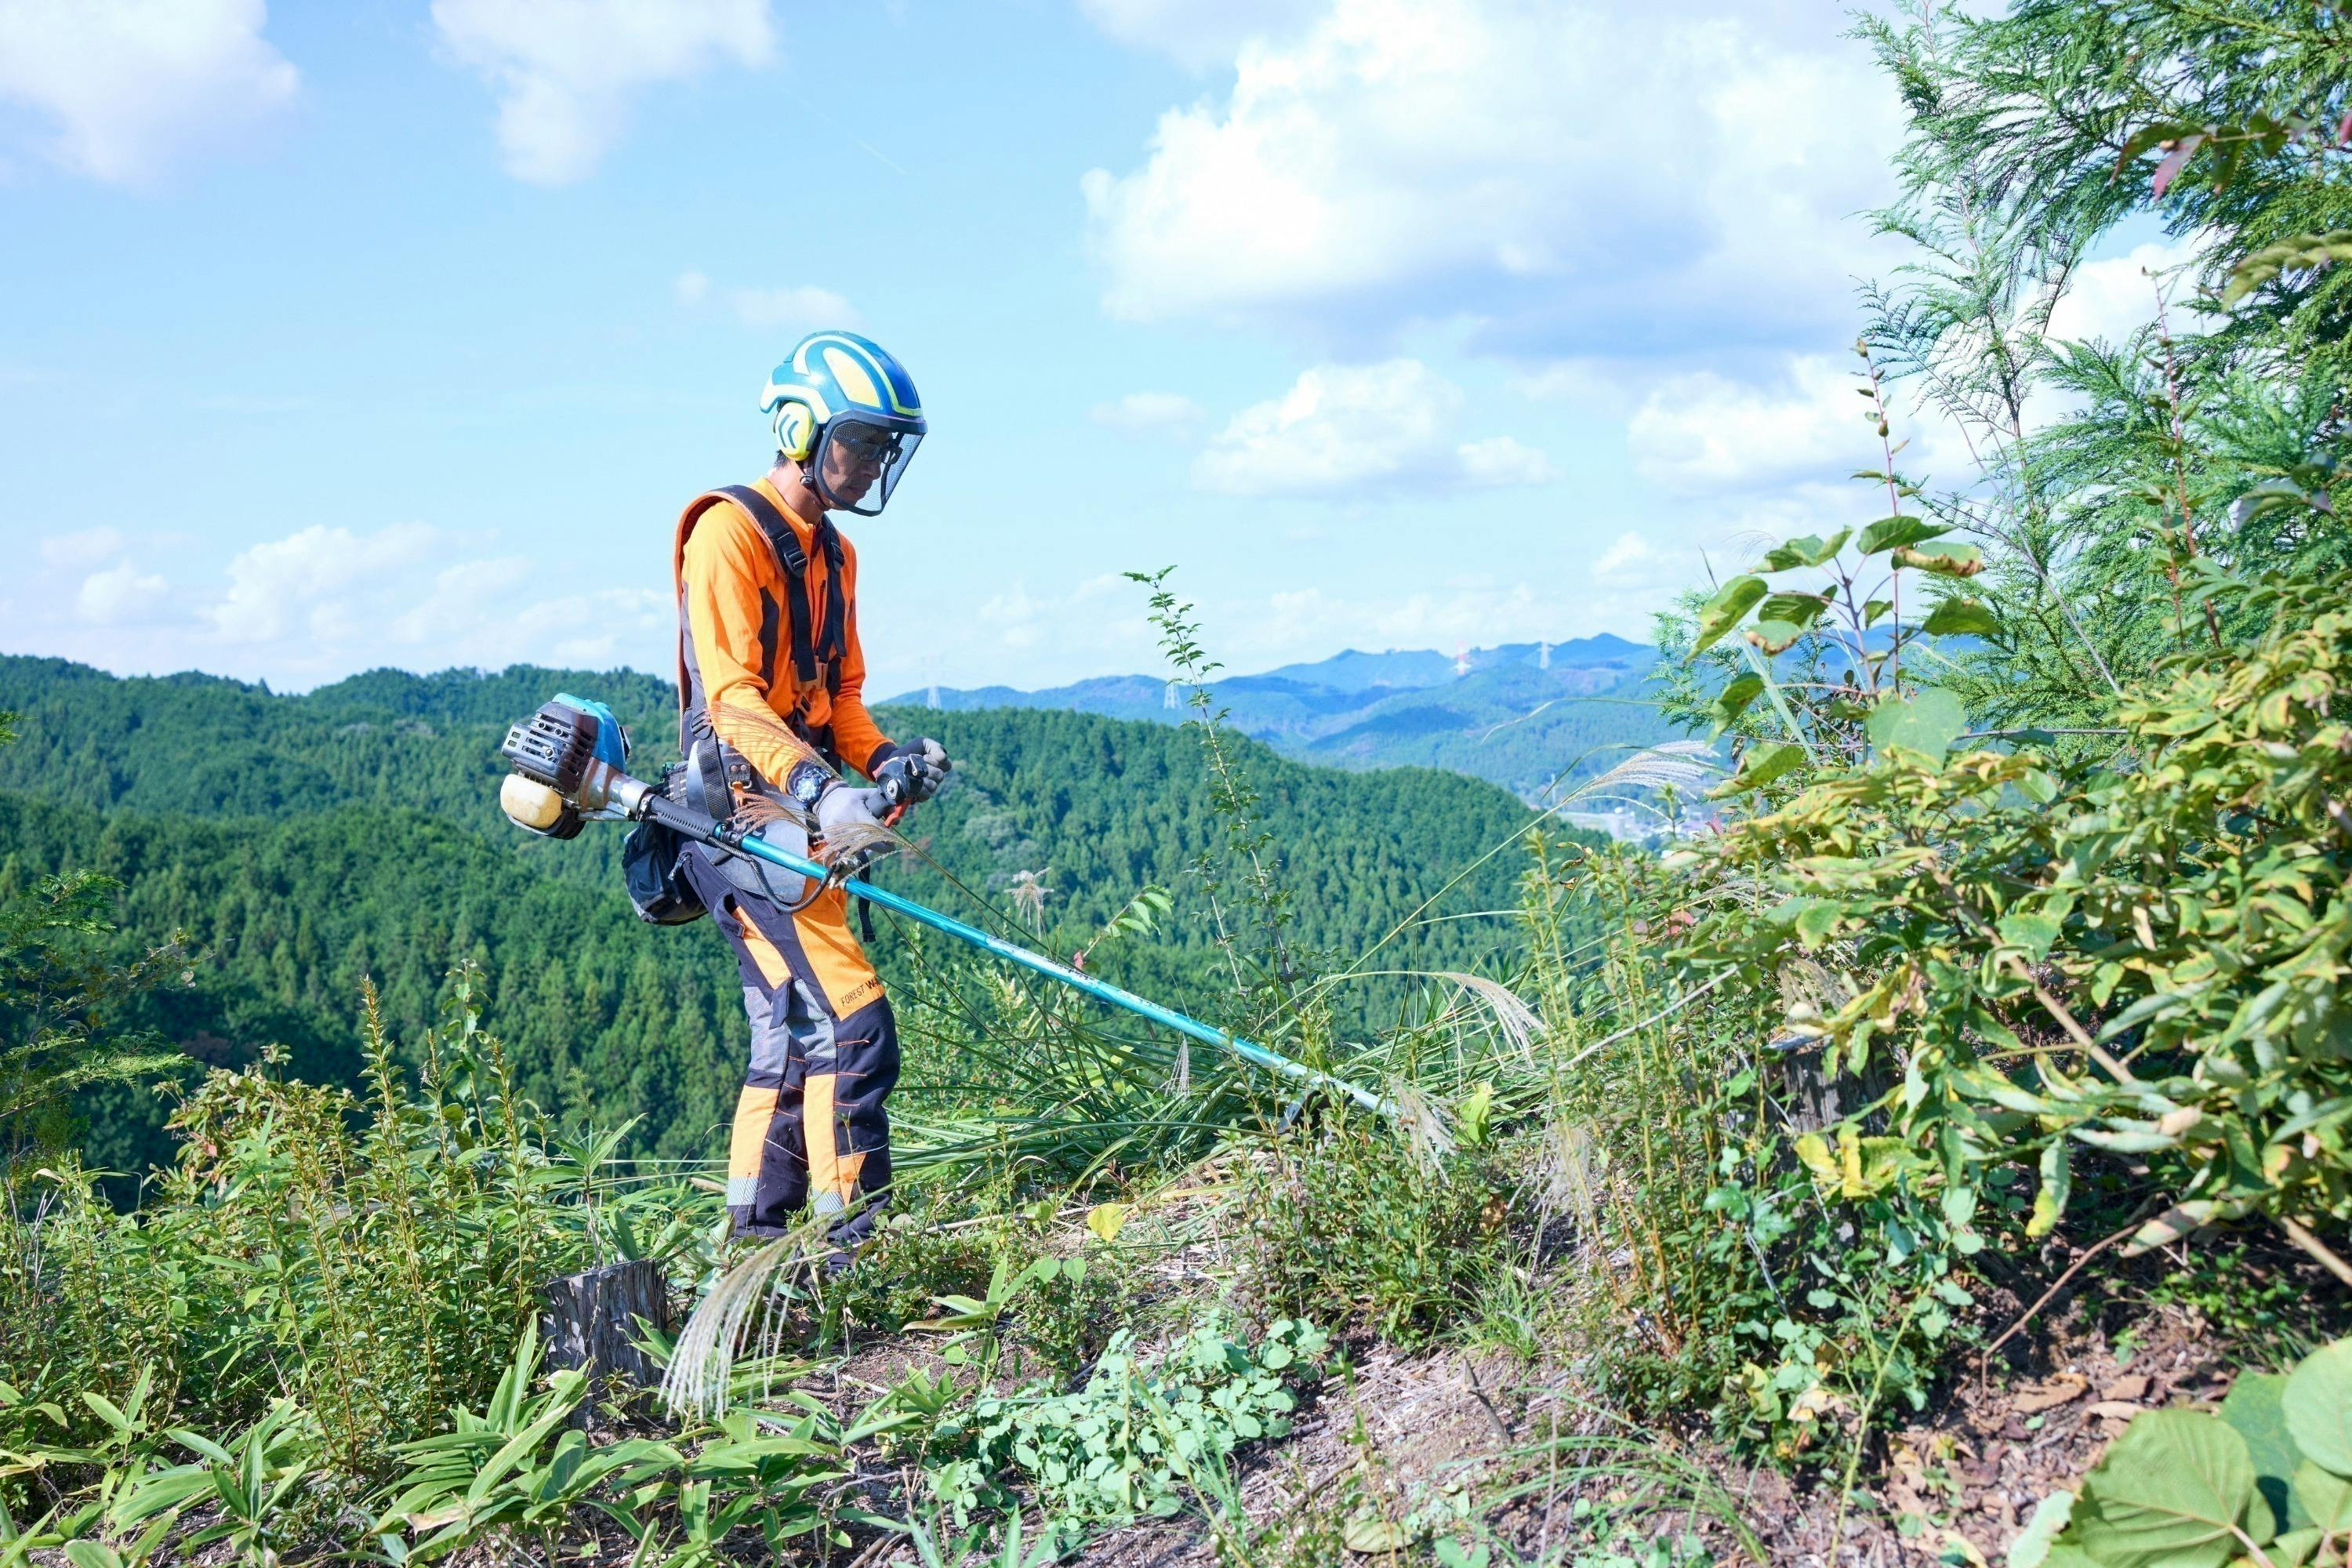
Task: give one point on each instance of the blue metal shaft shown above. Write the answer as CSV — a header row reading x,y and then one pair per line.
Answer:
x,y
1101,990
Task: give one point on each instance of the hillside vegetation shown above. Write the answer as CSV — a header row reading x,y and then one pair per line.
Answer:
x,y
1945,1156
303,843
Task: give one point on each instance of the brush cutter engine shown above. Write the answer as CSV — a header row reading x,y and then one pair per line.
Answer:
x,y
567,760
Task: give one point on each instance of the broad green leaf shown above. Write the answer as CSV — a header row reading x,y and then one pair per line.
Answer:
x,y
1817,922
196,1442
1734,699
2030,931
1892,533
1943,558
2057,1182
2326,1497
1927,723
1104,1219
2128,1141
1724,610
1475,1113
563,1466
2032,1547
1775,637
2253,1408
1797,609
2169,1493
1809,550
1369,1535
107,1411
1813,1150
1961,617
2318,1406
2292,1550
1759,766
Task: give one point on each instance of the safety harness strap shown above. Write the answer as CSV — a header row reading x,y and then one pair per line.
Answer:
x,y
816,654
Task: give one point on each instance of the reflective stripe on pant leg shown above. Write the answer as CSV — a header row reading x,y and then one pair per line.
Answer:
x,y
747,1144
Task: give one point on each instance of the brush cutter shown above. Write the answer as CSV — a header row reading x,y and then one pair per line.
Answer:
x,y
568,761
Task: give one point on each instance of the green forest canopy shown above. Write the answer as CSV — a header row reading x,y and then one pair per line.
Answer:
x,y
306,841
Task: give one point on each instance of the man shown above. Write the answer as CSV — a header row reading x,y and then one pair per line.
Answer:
x,y
771,690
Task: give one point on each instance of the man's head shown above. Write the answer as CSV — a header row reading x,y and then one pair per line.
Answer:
x,y
846,418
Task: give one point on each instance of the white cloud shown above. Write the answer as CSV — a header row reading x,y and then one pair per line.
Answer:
x,y
803,309
323,602
2114,297
1345,428
1580,382
1501,460
1141,411
566,72
1571,176
1701,432
1196,32
798,307
85,547
1019,619
121,595
322,582
1628,556
133,85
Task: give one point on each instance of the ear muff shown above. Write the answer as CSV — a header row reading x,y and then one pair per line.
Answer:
x,y
795,431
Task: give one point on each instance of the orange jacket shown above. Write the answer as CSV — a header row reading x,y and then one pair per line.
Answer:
x,y
727,577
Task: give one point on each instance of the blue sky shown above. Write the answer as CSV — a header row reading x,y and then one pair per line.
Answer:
x,y
397,332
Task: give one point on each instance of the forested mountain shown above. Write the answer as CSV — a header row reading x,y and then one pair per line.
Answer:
x,y
1522,715
306,841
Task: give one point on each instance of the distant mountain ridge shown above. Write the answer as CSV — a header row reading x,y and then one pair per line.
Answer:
x,y
1520,714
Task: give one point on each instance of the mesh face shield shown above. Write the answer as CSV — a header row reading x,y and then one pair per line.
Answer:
x,y
857,462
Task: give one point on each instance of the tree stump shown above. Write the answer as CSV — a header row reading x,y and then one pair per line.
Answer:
x,y
591,1323
1812,1097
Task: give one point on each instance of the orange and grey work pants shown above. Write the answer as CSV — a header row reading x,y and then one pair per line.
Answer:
x,y
810,1128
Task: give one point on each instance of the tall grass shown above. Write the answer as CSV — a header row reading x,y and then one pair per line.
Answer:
x,y
371,1259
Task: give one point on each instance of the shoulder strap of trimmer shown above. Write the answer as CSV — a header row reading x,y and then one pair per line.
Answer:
x,y
794,561
833,646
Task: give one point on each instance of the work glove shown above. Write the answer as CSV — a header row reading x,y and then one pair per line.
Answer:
x,y
912,772
845,814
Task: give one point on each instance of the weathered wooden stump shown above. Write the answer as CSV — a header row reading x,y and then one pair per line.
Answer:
x,y
1814,1098
591,1323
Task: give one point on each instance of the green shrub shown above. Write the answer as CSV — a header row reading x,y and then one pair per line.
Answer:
x,y
916,1259
372,1261
1136,1436
1071,1309
1366,1226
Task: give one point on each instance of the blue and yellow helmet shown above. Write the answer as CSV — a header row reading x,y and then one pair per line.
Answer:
x,y
847,412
